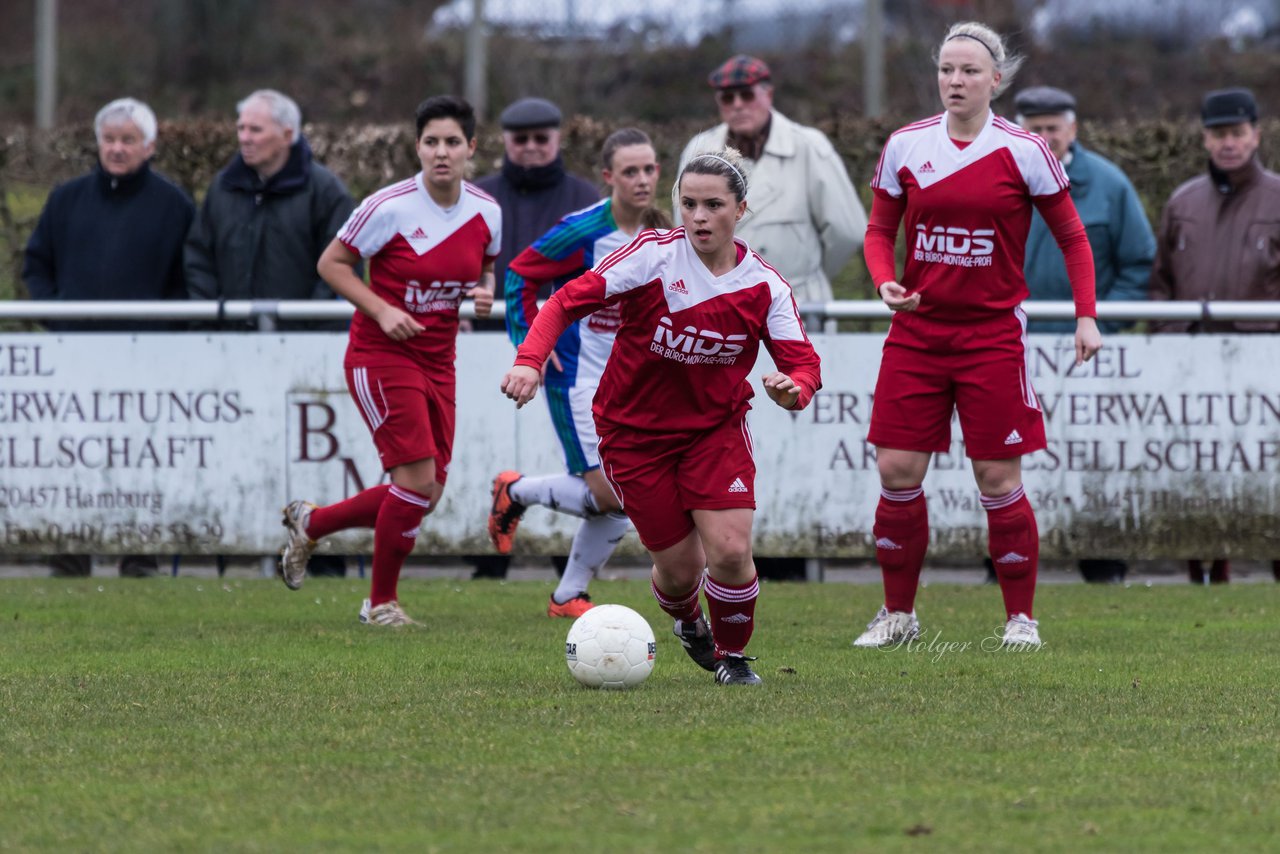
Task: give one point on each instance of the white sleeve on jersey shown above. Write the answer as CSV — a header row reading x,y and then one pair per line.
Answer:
x,y
1040,169
886,174
783,322
639,262
370,226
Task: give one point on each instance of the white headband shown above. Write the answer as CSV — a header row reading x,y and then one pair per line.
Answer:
x,y
741,177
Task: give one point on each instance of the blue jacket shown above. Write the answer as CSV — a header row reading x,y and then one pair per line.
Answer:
x,y
1122,241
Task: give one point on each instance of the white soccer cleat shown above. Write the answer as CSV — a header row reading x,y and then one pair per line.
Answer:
x,y
292,566
889,628
1021,632
386,614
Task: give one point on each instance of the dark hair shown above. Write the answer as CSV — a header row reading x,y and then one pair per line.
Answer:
x,y
655,218
727,163
621,139
448,107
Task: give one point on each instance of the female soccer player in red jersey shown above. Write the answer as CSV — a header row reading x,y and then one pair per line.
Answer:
x,y
966,181
430,241
695,306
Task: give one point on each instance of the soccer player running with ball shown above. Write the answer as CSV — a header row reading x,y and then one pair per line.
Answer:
x,y
966,181
695,304
430,241
572,374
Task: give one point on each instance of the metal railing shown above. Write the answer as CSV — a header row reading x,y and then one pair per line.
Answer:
x,y
268,313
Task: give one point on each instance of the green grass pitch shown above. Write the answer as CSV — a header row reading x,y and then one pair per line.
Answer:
x,y
232,715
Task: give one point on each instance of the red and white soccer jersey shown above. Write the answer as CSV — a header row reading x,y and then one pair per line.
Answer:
x,y
968,211
423,259
687,340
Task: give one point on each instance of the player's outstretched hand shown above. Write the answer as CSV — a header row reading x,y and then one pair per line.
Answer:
x,y
521,384
396,324
484,302
781,389
1088,339
895,296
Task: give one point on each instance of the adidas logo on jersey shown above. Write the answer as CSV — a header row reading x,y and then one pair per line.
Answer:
x,y
736,618
1013,438
418,234
677,287
737,485
1012,557
926,169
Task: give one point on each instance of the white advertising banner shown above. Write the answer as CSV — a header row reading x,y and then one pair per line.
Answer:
x,y
1163,447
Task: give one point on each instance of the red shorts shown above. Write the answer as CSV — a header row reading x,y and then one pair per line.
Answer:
x,y
411,417
661,477
930,370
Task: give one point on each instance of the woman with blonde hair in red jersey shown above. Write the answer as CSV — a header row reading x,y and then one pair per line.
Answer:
x,y
966,182
695,305
431,241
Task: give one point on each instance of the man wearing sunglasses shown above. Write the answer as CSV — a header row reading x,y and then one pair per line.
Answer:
x,y
533,188
534,191
803,215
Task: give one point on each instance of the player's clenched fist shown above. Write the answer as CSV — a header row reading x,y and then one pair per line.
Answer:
x,y
781,389
520,384
484,302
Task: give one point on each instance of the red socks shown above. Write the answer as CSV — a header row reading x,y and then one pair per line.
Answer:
x,y
394,534
684,608
902,537
733,612
358,511
1014,544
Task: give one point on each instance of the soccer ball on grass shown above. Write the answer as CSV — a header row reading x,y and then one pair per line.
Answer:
x,y
610,646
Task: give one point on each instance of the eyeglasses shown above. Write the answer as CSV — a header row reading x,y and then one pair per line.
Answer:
x,y
538,138
728,96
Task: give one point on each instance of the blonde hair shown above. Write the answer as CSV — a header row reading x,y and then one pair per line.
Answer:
x,y
1005,63
726,162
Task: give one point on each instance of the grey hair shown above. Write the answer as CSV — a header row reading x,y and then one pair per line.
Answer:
x,y
1070,115
727,163
284,110
127,110
1005,63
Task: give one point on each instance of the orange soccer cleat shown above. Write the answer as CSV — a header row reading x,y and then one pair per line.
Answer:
x,y
574,608
504,515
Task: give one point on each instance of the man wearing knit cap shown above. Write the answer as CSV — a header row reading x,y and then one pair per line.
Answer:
x,y
803,215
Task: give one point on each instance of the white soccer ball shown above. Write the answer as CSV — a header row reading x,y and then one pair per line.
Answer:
x,y
610,646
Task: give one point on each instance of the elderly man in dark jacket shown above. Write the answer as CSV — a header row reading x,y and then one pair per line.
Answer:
x,y
116,233
268,215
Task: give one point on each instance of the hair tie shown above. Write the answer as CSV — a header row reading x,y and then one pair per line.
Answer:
x,y
975,38
741,177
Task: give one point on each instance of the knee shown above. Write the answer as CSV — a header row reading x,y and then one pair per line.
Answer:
x,y
731,558
607,503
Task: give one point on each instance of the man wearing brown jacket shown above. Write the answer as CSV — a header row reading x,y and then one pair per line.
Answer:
x,y
1220,236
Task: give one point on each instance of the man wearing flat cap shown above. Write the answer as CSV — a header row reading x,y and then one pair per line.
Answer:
x,y
803,215
1219,235
533,188
1119,233
534,191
